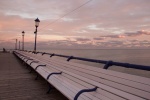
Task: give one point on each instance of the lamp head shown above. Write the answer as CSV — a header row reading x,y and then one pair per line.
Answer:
x,y
37,21
23,33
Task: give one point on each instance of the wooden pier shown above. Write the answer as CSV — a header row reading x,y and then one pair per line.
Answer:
x,y
16,83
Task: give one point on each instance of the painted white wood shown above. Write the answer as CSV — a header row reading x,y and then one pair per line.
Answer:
x,y
108,99
130,83
75,77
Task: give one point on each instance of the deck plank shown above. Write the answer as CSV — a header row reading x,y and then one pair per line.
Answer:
x,y
16,83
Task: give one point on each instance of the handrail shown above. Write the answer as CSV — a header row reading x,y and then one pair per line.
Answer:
x,y
107,63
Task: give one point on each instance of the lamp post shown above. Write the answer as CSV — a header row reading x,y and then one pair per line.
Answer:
x,y
37,21
19,45
16,44
23,40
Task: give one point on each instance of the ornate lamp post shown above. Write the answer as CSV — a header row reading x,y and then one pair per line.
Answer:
x,y
23,40
37,21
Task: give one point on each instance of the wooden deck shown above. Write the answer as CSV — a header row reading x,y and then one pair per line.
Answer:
x,y
16,83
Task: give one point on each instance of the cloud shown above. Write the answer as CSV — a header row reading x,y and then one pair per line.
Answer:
x,y
114,36
139,44
81,31
82,39
69,44
99,20
138,33
127,34
94,27
98,38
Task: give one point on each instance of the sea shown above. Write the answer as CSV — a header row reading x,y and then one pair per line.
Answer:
x,y
132,56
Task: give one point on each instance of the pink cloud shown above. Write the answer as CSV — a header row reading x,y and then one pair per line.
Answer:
x,y
138,33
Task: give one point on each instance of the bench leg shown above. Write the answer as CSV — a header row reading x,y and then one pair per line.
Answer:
x,y
49,89
36,78
30,70
23,62
27,66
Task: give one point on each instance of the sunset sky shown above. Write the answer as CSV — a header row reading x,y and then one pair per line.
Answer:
x,y
99,24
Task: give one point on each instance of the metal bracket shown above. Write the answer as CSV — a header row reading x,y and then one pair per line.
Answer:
x,y
108,64
52,74
34,62
33,52
71,57
52,55
84,90
36,52
39,66
43,53
28,60
56,73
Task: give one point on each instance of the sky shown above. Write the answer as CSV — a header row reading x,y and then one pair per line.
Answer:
x,y
76,24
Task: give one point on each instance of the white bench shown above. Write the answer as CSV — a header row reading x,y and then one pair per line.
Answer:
x,y
71,79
